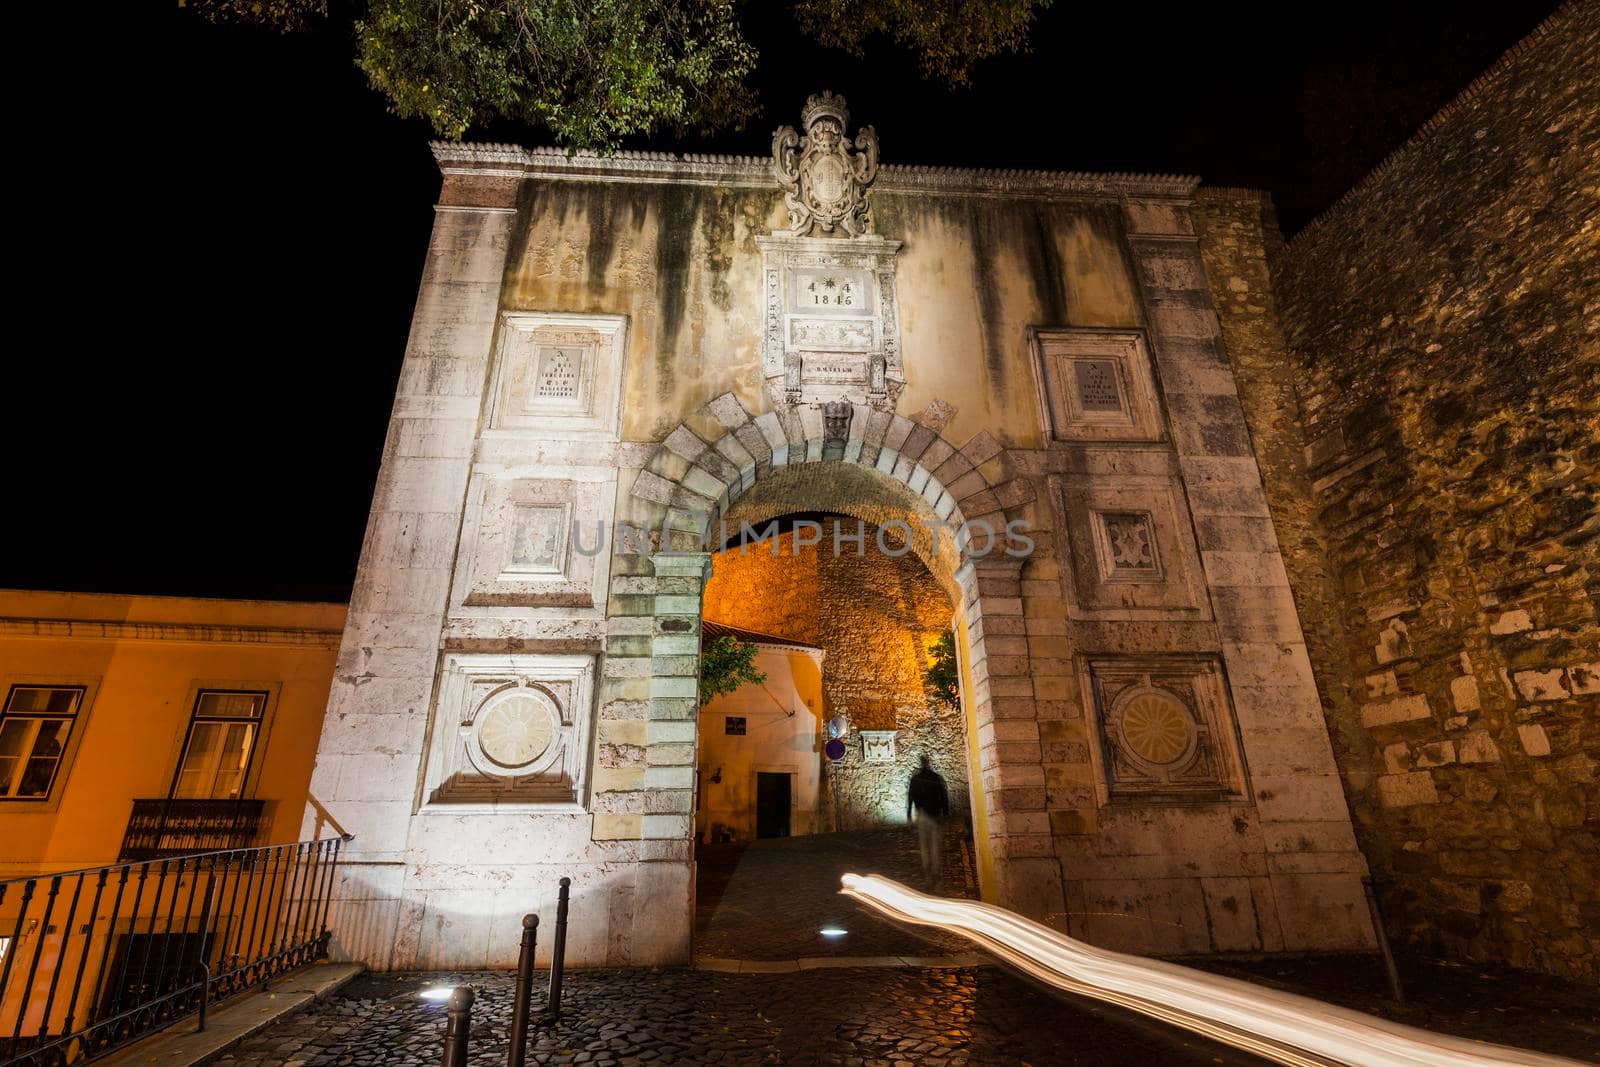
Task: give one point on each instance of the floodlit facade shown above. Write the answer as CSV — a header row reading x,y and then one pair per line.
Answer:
x,y
616,362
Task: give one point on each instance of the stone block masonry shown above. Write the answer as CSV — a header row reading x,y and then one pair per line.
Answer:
x,y
623,341
1419,372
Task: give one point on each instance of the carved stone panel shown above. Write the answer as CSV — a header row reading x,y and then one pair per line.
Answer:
x,y
824,182
877,746
510,731
1165,728
832,324
557,375
532,542
1130,549
1095,385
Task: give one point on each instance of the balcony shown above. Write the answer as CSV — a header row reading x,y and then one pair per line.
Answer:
x,y
171,827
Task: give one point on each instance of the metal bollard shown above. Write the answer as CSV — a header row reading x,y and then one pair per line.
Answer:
x,y
1395,988
558,951
457,1027
520,1009
205,995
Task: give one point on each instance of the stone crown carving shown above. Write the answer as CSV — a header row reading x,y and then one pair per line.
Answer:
x,y
825,183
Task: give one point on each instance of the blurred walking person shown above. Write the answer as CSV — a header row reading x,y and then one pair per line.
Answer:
x,y
928,802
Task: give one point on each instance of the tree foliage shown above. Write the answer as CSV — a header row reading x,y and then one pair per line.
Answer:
x,y
726,664
281,15
948,36
593,72
590,71
942,679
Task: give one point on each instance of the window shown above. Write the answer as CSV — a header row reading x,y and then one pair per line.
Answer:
x,y
34,728
733,724
222,738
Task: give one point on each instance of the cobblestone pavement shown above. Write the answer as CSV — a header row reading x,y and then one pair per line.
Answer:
x,y
974,1016
767,900
1488,1004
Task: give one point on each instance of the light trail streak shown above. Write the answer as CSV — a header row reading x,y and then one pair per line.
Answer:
x,y
1282,1027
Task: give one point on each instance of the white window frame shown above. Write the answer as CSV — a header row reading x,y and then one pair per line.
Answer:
x,y
80,726
180,742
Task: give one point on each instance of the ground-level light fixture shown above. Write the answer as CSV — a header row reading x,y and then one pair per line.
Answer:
x,y
437,993
833,931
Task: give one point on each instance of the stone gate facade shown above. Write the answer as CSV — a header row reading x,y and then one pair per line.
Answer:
x,y
615,361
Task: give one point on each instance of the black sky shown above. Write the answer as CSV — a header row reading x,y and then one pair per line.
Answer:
x,y
225,242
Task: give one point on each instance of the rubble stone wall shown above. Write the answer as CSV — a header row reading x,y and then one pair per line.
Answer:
x,y
1428,424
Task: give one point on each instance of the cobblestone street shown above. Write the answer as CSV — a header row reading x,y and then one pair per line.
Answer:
x,y
970,1015
843,1016
769,899
766,902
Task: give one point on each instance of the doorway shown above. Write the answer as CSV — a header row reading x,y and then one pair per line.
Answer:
x,y
773,804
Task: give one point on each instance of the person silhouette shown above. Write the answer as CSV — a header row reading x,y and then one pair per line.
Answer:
x,y
927,803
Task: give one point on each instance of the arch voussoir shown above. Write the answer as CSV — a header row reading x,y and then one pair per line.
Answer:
x,y
710,460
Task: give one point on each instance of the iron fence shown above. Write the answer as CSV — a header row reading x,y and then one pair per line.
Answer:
x,y
97,958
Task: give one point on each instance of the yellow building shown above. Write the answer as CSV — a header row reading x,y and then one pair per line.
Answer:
x,y
136,728
113,703
760,746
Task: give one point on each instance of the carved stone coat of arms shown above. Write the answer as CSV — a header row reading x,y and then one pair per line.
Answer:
x,y
824,182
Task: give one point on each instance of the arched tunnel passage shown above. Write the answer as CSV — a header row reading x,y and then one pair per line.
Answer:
x,y
845,584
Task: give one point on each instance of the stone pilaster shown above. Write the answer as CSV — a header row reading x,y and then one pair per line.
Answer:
x,y
1313,868
373,735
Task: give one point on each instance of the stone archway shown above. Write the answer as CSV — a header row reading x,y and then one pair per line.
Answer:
x,y
706,473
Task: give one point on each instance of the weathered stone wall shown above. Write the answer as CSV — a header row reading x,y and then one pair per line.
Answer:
x,y
1439,525
595,341
875,616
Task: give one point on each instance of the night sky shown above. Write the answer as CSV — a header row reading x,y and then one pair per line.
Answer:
x,y
227,233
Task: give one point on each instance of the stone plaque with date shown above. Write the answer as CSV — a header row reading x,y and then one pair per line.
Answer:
x,y
831,292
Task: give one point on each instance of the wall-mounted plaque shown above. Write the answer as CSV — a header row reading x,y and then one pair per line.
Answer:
x,y
835,291
877,746
1095,385
827,298
558,375
561,372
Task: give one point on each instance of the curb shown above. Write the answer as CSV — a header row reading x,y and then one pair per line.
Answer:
x,y
180,1045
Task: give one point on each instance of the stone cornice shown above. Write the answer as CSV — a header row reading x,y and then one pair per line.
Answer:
x,y
514,161
118,630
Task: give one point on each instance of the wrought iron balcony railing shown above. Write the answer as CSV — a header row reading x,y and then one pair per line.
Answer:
x,y
175,827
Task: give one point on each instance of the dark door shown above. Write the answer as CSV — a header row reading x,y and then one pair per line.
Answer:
x,y
772,804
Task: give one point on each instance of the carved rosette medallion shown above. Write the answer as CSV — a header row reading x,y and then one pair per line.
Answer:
x,y
1156,728
510,731
1166,731
514,729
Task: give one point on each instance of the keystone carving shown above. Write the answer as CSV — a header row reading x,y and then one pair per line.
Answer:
x,y
836,421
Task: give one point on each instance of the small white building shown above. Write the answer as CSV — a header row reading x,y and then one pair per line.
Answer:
x,y
760,746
